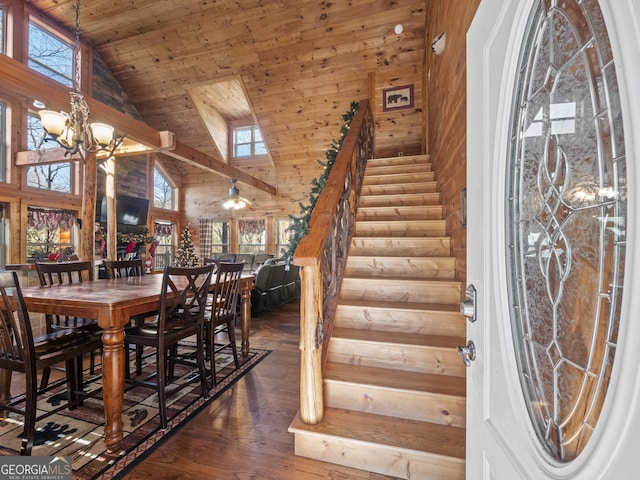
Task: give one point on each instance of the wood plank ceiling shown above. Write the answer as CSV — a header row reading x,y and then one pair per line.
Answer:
x,y
301,63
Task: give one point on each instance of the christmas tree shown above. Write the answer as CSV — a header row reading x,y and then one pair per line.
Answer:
x,y
185,255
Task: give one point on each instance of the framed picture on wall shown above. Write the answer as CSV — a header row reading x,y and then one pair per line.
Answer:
x,y
397,98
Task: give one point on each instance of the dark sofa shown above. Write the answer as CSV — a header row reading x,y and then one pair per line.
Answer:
x,y
276,284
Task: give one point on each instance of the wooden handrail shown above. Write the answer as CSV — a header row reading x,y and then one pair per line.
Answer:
x,y
322,254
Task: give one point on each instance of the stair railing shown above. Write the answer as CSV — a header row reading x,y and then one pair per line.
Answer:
x,y
322,255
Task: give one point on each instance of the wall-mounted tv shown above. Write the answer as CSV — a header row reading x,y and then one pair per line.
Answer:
x,y
129,210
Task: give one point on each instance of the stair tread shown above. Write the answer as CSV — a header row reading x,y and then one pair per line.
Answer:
x,y
435,307
406,338
430,438
403,278
396,379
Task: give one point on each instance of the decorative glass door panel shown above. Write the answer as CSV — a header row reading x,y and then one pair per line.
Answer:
x,y
566,216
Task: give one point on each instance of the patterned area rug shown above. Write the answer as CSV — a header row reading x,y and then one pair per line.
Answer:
x,y
79,433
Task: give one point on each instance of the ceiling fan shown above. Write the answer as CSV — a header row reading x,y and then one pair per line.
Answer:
x,y
234,201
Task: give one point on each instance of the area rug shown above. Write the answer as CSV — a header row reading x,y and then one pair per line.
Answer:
x,y
79,433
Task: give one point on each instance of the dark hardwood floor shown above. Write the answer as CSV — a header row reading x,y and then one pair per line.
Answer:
x,y
243,434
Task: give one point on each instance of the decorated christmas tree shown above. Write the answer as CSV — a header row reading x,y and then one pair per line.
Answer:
x,y
185,255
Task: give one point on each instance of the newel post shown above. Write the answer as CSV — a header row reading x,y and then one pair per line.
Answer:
x,y
311,393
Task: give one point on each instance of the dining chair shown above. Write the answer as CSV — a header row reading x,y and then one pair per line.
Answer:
x,y
124,269
221,312
21,352
181,311
64,273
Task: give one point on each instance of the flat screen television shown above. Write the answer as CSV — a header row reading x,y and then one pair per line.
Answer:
x,y
129,210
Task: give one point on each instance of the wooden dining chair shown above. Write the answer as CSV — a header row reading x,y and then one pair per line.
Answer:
x,y
21,352
221,312
124,268
181,310
63,273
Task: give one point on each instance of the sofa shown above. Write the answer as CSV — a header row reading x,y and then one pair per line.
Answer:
x,y
276,284
252,261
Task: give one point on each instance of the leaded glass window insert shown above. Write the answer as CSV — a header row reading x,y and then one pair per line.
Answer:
x,y
566,220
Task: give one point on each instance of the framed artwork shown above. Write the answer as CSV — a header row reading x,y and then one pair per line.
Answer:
x,y
397,98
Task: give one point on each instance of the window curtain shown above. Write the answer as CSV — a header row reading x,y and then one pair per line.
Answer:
x,y
162,229
251,227
206,237
40,219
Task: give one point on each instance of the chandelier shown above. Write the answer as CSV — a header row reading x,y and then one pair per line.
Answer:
x,y
234,201
72,131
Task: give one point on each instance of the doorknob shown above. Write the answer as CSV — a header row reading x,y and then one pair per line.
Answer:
x,y
467,353
469,307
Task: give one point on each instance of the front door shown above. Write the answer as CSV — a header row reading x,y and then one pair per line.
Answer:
x,y
553,153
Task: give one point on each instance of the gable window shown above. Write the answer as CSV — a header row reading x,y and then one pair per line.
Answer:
x,y
55,176
248,142
163,191
50,54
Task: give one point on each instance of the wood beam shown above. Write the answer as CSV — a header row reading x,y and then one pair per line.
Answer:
x,y
22,80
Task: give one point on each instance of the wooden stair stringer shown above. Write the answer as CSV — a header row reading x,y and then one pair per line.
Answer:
x,y
393,383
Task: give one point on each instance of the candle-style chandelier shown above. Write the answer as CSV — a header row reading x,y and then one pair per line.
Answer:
x,y
72,131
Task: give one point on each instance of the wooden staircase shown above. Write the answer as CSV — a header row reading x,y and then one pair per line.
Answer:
x,y
394,385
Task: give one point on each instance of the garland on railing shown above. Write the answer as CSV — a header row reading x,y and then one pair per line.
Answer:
x,y
300,224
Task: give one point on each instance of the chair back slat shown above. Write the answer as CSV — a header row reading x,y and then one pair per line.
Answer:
x,y
17,351
184,296
64,273
124,268
225,295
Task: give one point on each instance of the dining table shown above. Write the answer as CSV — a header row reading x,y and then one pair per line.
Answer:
x,y
113,302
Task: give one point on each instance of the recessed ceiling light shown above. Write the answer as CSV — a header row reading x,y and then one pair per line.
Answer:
x,y
398,29
38,104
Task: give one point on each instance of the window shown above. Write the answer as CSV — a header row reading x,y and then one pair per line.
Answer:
x,y
50,54
248,142
2,30
163,191
3,142
48,231
283,236
252,236
55,176
163,253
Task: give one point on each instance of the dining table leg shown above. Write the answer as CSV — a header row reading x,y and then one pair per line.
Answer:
x,y
113,359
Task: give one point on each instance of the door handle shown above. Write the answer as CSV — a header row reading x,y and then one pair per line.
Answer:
x,y
469,307
467,353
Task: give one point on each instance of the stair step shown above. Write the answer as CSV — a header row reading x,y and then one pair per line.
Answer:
x,y
401,246
397,169
412,395
428,212
404,160
380,266
404,199
400,289
434,319
398,178
398,188
402,350
386,445
400,228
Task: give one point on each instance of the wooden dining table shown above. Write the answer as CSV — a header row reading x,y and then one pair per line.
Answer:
x,y
113,303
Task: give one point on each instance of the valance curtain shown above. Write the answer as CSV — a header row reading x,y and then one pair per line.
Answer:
x,y
40,218
162,229
251,227
206,237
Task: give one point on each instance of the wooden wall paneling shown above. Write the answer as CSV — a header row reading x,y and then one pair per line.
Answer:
x,y
447,113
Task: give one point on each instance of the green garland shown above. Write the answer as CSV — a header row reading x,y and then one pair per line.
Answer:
x,y
300,224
